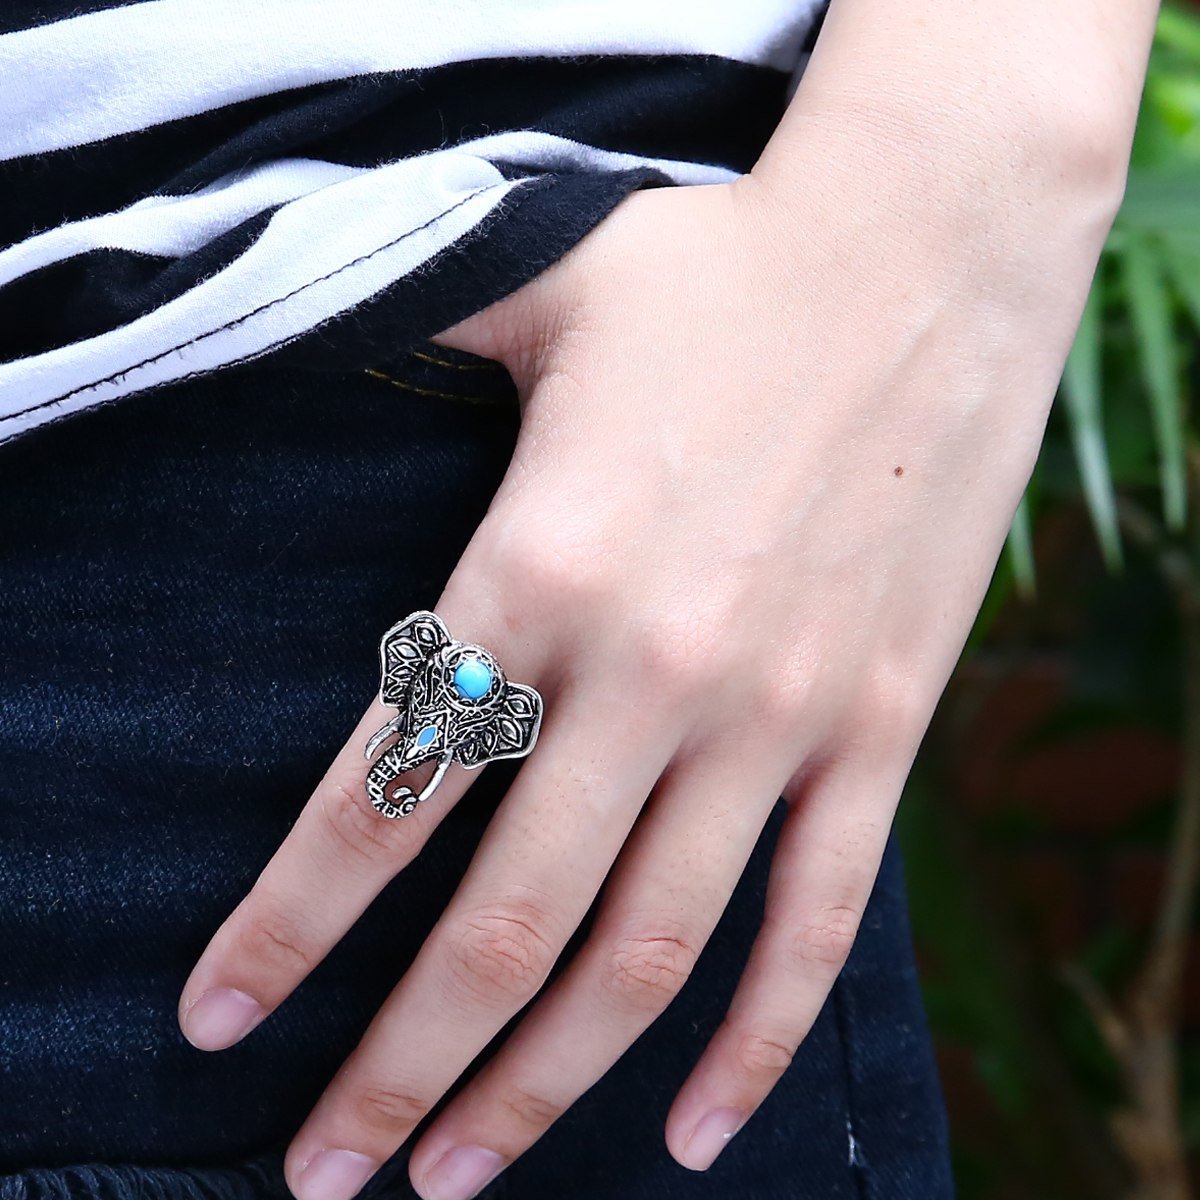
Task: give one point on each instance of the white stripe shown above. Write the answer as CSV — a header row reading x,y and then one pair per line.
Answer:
x,y
532,149
89,77
319,255
176,225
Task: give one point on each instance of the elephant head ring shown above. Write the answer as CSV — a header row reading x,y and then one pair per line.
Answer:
x,y
453,704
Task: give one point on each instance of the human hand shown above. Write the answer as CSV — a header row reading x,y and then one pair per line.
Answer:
x,y
762,478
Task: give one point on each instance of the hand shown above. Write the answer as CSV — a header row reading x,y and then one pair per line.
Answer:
x,y
768,456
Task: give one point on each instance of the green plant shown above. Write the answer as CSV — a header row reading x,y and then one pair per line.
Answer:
x,y
1149,279
1125,410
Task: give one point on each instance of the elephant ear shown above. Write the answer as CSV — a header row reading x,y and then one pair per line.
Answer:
x,y
402,651
510,733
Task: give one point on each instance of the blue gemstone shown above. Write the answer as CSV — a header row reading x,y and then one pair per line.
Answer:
x,y
426,736
472,677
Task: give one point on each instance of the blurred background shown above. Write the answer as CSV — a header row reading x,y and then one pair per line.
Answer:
x,y
1052,822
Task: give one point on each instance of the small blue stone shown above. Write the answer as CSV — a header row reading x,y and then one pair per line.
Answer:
x,y
426,736
472,677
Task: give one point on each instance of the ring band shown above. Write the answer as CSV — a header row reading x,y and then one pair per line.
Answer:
x,y
453,704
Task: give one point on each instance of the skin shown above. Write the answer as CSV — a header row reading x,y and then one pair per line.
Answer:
x,y
773,434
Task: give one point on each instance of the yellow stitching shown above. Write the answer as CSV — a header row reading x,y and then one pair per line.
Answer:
x,y
410,387
442,362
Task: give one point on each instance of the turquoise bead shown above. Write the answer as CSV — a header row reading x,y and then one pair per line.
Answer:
x,y
472,677
426,736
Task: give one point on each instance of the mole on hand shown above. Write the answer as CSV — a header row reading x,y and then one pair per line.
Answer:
x,y
898,472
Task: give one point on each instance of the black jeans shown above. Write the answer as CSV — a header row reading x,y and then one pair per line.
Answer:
x,y
192,585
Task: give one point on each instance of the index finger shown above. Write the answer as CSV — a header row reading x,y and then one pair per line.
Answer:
x,y
336,858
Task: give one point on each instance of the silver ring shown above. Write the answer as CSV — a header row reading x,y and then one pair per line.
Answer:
x,y
453,704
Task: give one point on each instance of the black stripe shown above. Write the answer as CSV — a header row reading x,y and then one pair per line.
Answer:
x,y
538,223
698,108
814,30
26,14
92,293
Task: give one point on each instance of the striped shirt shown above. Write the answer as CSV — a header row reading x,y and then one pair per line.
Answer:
x,y
186,185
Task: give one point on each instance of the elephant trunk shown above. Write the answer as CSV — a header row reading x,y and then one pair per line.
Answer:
x,y
381,776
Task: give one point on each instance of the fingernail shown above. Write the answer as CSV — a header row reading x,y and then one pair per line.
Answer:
x,y
462,1173
711,1135
220,1017
334,1175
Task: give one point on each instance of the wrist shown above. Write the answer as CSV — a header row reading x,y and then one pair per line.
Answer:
x,y
977,108
935,180
901,204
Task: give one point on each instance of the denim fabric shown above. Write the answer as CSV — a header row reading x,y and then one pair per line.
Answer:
x,y
192,585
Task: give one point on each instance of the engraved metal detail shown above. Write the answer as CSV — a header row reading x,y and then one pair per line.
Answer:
x,y
453,704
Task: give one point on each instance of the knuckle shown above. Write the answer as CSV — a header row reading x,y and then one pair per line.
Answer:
x,y
680,655
647,972
531,1111
543,561
819,946
781,704
894,710
356,829
502,953
762,1057
388,1111
276,945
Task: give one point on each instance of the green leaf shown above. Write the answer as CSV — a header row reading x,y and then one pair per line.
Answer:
x,y
1162,200
1184,264
1081,392
1020,551
1179,30
1150,309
